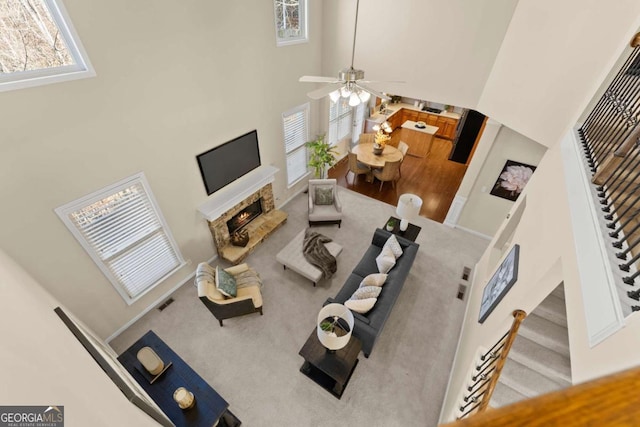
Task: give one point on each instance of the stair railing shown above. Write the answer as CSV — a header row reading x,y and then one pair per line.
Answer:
x,y
487,373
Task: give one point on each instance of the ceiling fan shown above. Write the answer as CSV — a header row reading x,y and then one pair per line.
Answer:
x,y
349,83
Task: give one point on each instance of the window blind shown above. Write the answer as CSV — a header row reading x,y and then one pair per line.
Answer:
x,y
123,231
296,135
340,120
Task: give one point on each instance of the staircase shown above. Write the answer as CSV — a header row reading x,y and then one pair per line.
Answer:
x,y
538,362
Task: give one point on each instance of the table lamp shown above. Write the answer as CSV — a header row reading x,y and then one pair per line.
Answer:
x,y
334,326
408,209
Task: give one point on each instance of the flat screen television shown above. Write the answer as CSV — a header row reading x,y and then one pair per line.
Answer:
x,y
225,163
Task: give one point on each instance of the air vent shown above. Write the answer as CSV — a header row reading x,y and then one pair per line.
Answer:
x,y
466,271
462,289
165,304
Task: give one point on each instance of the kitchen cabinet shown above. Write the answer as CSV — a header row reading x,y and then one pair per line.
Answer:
x,y
446,127
396,120
418,140
410,115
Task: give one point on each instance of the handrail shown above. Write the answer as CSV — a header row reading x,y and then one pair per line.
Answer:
x,y
606,401
518,317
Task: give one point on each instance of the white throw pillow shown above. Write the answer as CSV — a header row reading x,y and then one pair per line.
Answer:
x,y
365,292
393,243
360,305
386,260
375,279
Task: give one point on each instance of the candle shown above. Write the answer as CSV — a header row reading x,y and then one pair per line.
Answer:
x,y
184,398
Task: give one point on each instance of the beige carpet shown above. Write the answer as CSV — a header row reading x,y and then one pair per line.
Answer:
x,y
253,360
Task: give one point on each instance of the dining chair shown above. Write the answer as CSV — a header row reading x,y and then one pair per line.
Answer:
x,y
390,172
403,147
356,167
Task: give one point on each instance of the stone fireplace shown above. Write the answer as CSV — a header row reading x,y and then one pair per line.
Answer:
x,y
256,214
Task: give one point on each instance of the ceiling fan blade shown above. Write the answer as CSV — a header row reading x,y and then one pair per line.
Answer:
x,y
373,92
318,79
324,91
381,81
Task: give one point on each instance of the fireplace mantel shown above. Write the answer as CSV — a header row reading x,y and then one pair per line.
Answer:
x,y
234,193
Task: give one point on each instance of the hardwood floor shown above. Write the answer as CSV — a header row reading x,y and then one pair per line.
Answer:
x,y
434,178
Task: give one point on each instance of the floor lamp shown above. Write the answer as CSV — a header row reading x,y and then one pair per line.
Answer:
x,y
408,209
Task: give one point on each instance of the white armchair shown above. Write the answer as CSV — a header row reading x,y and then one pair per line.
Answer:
x,y
324,204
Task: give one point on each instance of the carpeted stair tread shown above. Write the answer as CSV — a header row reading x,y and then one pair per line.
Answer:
x,y
546,333
542,359
554,309
558,291
504,395
525,380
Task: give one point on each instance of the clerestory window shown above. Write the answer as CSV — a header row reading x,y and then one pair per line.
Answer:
x,y
38,45
291,21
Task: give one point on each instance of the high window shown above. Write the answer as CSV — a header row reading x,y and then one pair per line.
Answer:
x,y
291,21
38,45
296,135
122,229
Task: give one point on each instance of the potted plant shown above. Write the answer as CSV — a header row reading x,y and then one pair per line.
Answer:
x,y
322,156
391,224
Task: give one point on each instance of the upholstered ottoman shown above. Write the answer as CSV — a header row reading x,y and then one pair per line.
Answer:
x,y
291,257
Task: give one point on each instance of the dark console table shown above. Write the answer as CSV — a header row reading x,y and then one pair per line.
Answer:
x,y
332,371
411,233
210,408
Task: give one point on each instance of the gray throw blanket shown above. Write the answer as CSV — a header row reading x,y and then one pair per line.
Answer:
x,y
317,254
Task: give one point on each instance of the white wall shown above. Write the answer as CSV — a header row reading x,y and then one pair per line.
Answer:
x,y
483,212
173,80
44,364
444,51
553,58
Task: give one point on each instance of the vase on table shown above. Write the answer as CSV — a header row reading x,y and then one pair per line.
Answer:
x,y
377,149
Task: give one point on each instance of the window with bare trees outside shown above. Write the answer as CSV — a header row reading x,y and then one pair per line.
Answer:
x,y
291,21
38,45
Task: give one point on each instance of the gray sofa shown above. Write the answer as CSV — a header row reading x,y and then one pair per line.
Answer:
x,y
368,326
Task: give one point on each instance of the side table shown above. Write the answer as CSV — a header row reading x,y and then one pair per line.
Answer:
x,y
411,233
331,371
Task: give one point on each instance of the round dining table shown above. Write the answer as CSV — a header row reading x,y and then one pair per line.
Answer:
x,y
364,154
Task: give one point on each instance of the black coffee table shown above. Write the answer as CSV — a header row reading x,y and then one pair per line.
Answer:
x,y
411,233
332,371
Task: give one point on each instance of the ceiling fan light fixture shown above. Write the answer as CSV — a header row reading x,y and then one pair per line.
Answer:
x,y
364,96
354,99
334,96
345,92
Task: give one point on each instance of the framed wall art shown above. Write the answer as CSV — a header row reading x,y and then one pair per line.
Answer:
x,y
512,180
502,280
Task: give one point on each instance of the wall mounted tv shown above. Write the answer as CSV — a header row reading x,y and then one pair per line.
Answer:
x,y
227,162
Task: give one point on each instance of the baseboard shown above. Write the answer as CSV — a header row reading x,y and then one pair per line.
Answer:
x,y
154,304
455,210
301,190
475,233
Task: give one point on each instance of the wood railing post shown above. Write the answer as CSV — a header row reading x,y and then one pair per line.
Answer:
x,y
518,317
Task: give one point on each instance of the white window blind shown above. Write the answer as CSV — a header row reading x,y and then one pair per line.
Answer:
x,y
340,120
296,135
123,231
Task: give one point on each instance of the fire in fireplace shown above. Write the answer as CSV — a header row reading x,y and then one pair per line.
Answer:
x,y
245,216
